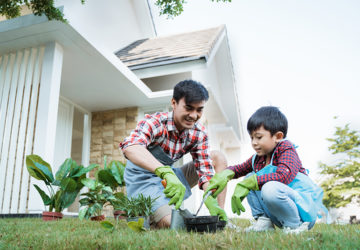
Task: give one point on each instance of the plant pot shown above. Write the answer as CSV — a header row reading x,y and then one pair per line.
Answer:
x,y
146,220
201,224
97,218
119,214
221,225
48,216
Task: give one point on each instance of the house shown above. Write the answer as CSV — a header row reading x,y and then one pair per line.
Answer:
x,y
76,90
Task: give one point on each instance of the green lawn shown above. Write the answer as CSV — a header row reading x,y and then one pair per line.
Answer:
x,y
70,233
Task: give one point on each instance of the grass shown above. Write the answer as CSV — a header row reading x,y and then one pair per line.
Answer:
x,y
71,233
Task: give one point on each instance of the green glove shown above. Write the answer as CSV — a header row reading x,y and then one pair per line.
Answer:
x,y
214,208
219,181
174,188
242,189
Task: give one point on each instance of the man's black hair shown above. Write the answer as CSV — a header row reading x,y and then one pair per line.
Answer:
x,y
271,118
193,92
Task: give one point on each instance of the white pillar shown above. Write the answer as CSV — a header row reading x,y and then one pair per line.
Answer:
x,y
45,132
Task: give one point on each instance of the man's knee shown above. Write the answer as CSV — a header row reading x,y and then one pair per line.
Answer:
x,y
218,160
164,222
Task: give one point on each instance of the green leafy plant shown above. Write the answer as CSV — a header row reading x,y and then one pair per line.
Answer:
x,y
113,176
103,189
68,179
94,199
136,206
137,226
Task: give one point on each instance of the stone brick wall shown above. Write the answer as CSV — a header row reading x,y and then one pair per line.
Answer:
x,y
108,129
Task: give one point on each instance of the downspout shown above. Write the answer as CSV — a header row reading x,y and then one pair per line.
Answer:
x,y
152,19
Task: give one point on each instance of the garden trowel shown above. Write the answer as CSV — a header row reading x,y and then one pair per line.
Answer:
x,y
202,202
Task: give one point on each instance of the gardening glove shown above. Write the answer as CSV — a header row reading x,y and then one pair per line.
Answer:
x,y
219,181
174,188
214,208
242,189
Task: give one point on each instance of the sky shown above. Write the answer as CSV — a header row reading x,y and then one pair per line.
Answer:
x,y
301,56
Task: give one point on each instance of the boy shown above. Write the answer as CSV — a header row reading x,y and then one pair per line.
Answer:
x,y
277,186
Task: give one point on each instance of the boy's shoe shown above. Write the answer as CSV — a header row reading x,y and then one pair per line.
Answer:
x,y
262,224
302,228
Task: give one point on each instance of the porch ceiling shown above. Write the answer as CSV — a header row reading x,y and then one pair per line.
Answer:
x,y
94,79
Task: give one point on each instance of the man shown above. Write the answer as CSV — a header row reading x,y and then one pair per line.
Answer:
x,y
161,139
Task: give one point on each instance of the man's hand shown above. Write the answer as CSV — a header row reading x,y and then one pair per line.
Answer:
x,y
242,189
219,181
214,208
174,190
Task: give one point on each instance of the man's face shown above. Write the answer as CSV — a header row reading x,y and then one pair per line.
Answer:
x,y
186,114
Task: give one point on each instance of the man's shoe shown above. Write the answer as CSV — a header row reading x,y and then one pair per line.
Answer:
x,y
262,224
302,228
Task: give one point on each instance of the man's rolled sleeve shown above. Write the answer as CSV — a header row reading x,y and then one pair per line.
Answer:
x,y
202,163
143,134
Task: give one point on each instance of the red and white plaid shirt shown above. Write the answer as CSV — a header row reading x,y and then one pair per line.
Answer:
x,y
159,129
285,158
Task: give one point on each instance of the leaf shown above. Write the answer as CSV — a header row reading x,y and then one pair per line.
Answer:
x,y
68,198
117,169
84,201
39,169
64,169
107,178
107,225
137,226
46,199
68,185
82,213
85,170
90,183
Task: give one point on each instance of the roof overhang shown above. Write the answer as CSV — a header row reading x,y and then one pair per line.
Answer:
x,y
92,78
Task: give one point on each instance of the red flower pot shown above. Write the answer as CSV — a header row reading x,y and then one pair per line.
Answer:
x,y
98,218
48,216
118,214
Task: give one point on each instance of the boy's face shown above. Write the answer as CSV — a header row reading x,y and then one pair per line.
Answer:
x,y
186,114
263,142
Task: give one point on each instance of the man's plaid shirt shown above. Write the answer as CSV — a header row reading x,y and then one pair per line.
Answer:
x,y
285,158
160,129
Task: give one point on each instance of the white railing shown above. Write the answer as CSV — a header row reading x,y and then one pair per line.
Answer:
x,y
20,74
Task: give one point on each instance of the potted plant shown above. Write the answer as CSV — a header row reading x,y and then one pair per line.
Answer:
x,y
94,200
67,180
137,207
113,176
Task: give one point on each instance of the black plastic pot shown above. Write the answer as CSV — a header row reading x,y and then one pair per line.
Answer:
x,y
221,225
201,224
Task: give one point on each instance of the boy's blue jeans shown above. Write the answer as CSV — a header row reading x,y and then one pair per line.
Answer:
x,y
276,201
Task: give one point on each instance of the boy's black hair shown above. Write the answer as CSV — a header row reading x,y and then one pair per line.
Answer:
x,y
271,118
193,92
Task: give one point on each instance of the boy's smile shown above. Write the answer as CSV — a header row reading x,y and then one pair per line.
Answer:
x,y
263,142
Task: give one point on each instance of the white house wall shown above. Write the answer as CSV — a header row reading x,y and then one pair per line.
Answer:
x,y
19,86
166,82
110,24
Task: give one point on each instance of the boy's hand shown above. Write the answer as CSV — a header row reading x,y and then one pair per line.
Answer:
x,y
242,189
215,209
219,181
174,190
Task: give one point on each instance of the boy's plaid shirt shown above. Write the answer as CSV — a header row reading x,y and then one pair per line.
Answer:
x,y
285,158
159,129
